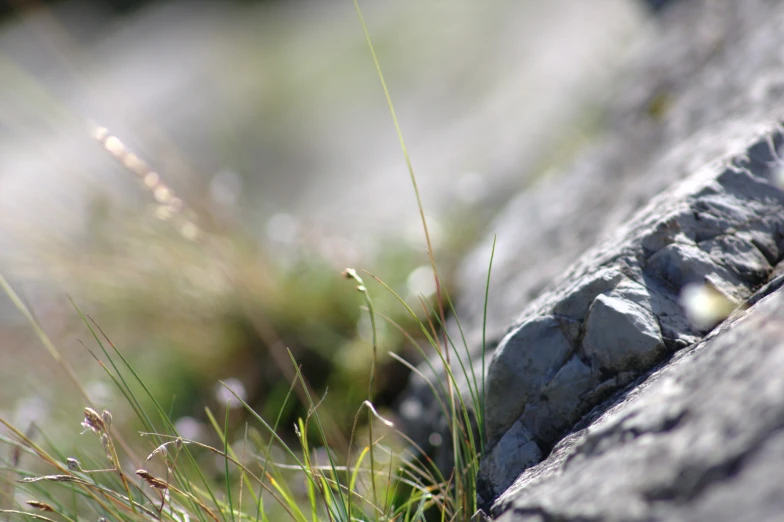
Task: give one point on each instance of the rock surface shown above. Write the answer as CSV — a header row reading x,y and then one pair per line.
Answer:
x,y
615,314
704,89
707,87
684,191
700,439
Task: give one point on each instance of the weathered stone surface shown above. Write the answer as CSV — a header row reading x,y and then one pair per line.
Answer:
x,y
700,439
680,264
561,400
579,298
623,334
688,195
715,65
516,448
539,349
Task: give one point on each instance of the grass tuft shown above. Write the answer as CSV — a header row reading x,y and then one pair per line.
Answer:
x,y
386,476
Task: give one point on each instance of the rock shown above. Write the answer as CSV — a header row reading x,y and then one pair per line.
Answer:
x,y
575,304
561,398
667,197
623,334
717,63
516,449
700,439
539,348
682,264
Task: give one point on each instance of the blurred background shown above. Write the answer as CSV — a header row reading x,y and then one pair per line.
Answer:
x,y
196,175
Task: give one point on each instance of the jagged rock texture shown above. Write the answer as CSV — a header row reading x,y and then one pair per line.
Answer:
x,y
685,187
615,314
700,439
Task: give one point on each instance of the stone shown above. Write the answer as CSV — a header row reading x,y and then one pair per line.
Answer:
x,y
560,399
515,450
700,439
634,320
603,250
681,264
715,111
740,253
537,351
580,297
621,335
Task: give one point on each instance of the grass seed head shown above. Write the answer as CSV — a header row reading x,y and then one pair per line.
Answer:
x,y
152,481
159,450
106,445
73,464
37,504
106,417
93,421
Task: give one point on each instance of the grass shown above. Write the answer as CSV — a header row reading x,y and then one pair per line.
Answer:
x,y
375,472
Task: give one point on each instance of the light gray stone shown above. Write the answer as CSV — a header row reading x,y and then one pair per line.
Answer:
x,y
621,335
740,254
536,352
575,304
690,195
516,450
636,321
701,439
681,264
715,66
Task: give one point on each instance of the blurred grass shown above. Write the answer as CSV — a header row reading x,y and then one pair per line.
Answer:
x,y
192,306
186,312
192,302
186,320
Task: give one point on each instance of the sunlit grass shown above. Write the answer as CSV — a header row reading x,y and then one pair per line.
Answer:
x,y
180,490
258,469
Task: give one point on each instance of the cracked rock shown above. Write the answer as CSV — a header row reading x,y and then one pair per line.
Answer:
x,y
540,348
700,439
690,196
633,321
621,335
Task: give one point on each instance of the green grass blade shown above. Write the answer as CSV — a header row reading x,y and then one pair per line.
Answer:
x,y
484,339
226,461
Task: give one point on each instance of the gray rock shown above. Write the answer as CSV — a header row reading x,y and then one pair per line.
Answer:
x,y
621,335
633,321
687,195
715,67
575,304
539,348
516,448
700,439
561,401
680,264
